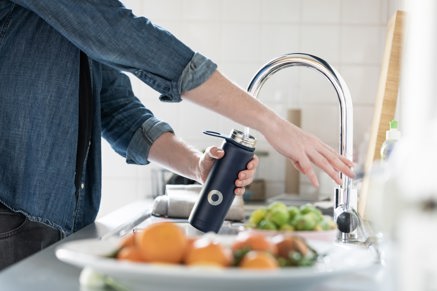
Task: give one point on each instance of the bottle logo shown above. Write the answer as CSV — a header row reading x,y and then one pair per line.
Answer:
x,y
215,197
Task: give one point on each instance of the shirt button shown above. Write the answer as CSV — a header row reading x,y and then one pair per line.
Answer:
x,y
82,186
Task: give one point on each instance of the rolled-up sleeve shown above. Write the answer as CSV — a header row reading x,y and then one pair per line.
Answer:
x,y
109,33
198,70
127,125
142,140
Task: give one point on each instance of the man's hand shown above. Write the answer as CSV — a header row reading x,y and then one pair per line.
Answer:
x,y
245,177
304,150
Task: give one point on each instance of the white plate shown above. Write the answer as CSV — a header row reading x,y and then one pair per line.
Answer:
x,y
339,260
325,235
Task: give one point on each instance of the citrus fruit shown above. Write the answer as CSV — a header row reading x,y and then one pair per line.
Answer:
x,y
253,241
130,253
128,240
162,242
258,260
205,251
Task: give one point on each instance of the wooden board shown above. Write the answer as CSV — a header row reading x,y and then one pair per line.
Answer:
x,y
292,175
386,99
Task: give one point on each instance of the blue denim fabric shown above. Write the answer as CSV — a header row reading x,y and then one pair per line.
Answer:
x,y
40,43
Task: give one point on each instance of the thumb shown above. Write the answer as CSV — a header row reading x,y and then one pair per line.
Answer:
x,y
215,152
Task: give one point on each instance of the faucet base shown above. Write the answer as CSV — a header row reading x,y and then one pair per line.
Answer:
x,y
359,235
347,237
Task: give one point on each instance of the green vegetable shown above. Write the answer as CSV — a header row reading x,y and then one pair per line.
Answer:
x,y
266,225
293,211
307,208
257,215
286,227
277,216
307,221
276,205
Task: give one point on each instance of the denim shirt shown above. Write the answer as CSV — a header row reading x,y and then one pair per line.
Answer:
x,y
40,43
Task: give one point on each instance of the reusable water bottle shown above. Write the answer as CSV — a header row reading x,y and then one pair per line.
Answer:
x,y
217,194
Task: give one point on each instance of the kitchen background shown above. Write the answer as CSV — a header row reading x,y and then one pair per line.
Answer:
x,y
241,36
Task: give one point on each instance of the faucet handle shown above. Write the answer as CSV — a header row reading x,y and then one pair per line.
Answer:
x,y
346,218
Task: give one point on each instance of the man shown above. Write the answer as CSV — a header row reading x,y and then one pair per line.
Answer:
x,y
61,89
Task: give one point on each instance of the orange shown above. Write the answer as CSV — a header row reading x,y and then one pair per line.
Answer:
x,y
253,241
259,260
130,253
162,242
128,240
205,251
190,242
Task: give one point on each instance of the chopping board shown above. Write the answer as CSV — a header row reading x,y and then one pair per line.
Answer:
x,y
386,98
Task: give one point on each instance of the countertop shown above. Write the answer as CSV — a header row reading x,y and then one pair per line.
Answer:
x,y
43,271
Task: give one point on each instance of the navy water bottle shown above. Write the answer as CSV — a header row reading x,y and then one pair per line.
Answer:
x,y
217,194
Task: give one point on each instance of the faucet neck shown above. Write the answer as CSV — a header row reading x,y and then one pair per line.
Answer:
x,y
345,197
342,90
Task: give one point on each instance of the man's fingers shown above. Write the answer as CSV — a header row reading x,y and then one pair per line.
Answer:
x,y
253,163
331,152
326,165
245,178
239,191
339,163
304,166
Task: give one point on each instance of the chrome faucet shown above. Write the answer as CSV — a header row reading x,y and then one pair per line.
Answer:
x,y
345,198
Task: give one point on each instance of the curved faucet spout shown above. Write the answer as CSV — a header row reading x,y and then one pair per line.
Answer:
x,y
310,61
343,195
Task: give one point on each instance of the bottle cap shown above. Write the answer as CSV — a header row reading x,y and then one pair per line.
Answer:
x,y
239,137
393,133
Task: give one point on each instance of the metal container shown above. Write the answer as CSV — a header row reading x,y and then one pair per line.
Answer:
x,y
217,194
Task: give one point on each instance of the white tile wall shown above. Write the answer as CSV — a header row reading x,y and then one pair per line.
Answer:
x,y
362,44
242,35
241,41
322,40
321,11
199,10
281,11
363,12
241,10
286,38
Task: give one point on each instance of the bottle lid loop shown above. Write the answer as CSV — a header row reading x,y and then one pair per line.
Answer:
x,y
237,136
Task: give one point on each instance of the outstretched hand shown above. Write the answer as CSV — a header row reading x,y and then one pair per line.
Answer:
x,y
245,177
304,149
